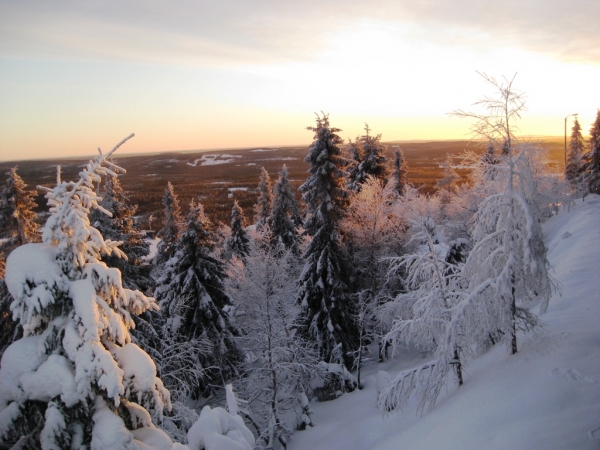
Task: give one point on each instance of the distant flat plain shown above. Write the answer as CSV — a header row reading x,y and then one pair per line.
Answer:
x,y
217,177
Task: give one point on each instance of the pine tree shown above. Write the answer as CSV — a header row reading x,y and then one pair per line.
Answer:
x,y
172,226
82,375
327,311
575,155
592,158
238,242
192,296
262,209
399,172
284,213
121,226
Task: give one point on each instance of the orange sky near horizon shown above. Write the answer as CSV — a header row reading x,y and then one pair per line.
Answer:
x,y
75,76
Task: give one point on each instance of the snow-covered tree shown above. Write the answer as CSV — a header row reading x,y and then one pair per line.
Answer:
x,y
591,175
262,209
18,226
575,154
448,185
355,158
169,234
449,178
121,227
192,296
17,216
507,268
279,365
399,171
435,288
368,159
372,231
238,242
327,310
284,212
10,330
75,380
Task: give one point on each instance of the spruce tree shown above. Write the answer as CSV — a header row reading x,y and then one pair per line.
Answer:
x,y
262,209
192,297
284,213
17,216
449,178
76,373
374,161
238,242
353,164
326,315
487,163
369,160
592,158
121,226
575,154
18,226
399,172
172,226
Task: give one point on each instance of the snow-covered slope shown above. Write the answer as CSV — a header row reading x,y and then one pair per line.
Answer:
x,y
547,396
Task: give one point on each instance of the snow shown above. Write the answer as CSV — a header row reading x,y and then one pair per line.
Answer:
x,y
153,248
139,369
231,190
109,430
53,378
213,160
232,406
282,158
31,273
216,429
20,357
546,396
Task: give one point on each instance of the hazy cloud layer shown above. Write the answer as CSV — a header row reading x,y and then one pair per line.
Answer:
x,y
253,31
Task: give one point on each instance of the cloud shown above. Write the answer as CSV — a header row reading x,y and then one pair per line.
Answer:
x,y
226,32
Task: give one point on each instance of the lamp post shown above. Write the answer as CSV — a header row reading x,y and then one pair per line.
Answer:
x,y
574,115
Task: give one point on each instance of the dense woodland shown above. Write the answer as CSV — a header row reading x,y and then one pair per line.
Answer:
x,y
265,316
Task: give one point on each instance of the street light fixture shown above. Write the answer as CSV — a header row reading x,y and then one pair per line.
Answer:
x,y
574,115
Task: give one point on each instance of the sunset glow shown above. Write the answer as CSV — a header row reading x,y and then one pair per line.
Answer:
x,y
243,74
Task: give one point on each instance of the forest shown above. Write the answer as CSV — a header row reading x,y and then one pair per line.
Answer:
x,y
226,336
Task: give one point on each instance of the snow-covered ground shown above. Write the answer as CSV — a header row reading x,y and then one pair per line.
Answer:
x,y
547,396
213,160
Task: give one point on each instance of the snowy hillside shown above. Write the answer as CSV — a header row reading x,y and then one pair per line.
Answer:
x,y
547,396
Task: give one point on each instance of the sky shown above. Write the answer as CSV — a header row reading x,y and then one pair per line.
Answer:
x,y
199,74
